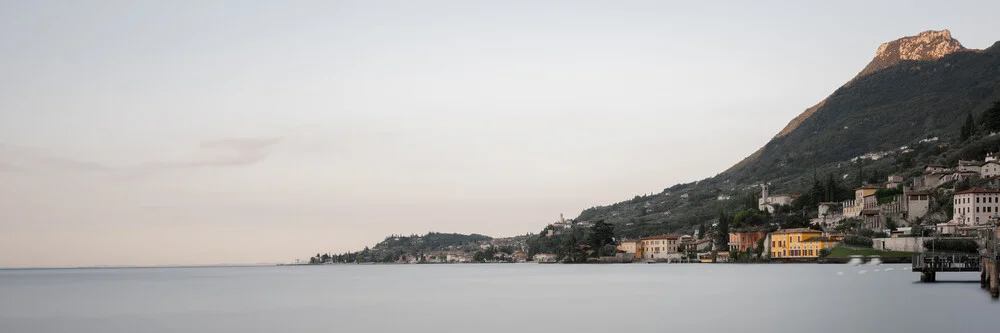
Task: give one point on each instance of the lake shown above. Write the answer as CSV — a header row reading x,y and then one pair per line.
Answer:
x,y
487,298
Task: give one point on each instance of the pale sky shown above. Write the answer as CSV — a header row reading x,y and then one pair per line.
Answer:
x,y
202,132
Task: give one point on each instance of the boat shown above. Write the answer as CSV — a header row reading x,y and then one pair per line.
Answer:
x,y
855,260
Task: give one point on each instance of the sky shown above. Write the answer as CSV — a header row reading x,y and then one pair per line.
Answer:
x,y
210,132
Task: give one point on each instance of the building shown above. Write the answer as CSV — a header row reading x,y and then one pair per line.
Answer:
x,y
853,208
741,241
828,215
931,168
544,258
976,206
627,246
917,204
894,181
788,243
769,202
719,257
459,257
970,166
697,246
811,247
658,247
991,169
963,175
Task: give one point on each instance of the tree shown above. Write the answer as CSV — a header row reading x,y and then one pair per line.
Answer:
x,y
890,224
968,128
722,231
759,250
601,233
701,231
962,185
570,251
991,119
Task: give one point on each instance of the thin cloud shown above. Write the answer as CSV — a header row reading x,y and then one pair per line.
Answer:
x,y
222,152
212,153
6,167
24,158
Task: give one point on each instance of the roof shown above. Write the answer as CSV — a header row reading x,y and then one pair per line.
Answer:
x,y
829,203
821,239
660,237
870,187
972,163
977,190
795,230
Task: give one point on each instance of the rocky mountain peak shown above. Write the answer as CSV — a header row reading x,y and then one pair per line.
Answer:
x,y
927,45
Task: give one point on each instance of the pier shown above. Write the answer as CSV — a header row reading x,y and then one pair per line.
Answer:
x,y
986,262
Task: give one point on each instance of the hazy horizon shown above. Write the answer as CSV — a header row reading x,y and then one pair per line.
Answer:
x,y
170,133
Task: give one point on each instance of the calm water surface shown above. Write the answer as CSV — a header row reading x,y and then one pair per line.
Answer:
x,y
493,298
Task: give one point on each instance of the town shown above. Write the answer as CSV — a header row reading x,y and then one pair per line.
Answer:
x,y
892,220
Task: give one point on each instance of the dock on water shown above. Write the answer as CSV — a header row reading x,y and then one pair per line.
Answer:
x,y
985,262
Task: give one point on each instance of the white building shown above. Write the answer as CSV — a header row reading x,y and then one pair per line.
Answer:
x,y
976,206
829,215
990,169
770,202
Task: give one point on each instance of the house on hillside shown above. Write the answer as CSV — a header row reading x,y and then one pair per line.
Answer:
x,y
828,215
969,166
853,208
990,169
769,202
992,157
895,181
930,168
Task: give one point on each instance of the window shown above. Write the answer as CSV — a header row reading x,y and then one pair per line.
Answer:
x,y
977,209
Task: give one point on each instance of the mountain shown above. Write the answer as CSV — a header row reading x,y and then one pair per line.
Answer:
x,y
929,45
914,88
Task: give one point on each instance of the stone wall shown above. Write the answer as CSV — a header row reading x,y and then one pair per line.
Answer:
x,y
903,244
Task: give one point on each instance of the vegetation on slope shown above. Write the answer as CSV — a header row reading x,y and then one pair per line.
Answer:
x,y
883,111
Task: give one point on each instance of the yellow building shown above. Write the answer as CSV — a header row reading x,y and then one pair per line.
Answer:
x,y
853,208
628,246
799,243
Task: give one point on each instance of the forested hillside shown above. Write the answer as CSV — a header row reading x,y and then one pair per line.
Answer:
x,y
897,103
